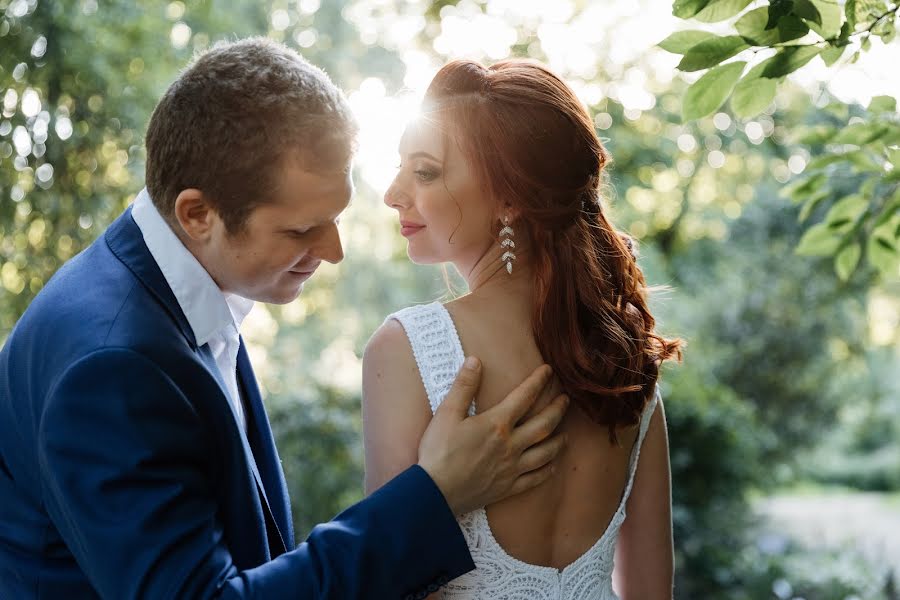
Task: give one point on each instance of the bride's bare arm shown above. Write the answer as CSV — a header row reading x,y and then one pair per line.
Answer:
x,y
394,405
644,552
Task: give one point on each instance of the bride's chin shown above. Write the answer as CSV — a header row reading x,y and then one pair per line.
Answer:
x,y
421,259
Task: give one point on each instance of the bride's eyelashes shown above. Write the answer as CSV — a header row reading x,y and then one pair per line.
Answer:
x,y
424,174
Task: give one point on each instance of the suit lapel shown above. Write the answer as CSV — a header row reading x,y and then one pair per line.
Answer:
x,y
262,444
274,541
126,242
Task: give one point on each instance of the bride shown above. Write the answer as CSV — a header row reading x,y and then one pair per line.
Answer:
x,y
500,176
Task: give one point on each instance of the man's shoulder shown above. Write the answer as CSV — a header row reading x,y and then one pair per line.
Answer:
x,y
93,301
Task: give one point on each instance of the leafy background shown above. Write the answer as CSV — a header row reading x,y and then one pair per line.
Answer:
x,y
762,185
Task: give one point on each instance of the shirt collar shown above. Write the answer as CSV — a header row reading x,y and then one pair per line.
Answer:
x,y
207,309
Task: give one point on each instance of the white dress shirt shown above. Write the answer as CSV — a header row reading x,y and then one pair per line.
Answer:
x,y
214,317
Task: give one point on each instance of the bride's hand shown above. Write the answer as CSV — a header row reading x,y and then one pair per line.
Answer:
x,y
484,458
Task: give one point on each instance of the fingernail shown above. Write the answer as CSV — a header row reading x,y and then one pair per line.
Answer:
x,y
472,363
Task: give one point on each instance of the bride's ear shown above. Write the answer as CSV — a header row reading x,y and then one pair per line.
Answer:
x,y
506,210
194,214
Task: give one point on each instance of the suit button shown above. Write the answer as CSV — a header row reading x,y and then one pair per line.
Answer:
x,y
421,595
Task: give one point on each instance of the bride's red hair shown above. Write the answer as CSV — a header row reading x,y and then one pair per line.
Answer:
x,y
532,144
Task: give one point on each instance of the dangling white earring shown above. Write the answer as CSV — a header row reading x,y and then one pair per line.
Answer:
x,y
507,244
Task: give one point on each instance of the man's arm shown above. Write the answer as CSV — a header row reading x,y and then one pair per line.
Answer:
x,y
126,479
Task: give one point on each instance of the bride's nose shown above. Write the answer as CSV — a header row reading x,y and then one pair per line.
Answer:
x,y
395,197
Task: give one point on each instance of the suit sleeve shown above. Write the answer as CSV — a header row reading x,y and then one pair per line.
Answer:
x,y
126,477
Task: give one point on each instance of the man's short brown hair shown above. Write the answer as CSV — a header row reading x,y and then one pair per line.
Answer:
x,y
229,122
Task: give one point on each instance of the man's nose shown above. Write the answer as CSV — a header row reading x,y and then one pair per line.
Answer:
x,y
329,246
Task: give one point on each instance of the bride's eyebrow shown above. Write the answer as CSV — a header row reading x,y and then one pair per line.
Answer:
x,y
424,155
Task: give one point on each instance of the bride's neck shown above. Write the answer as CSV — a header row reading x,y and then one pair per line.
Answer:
x,y
488,279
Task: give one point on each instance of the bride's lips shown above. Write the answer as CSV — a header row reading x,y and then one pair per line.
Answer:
x,y
408,228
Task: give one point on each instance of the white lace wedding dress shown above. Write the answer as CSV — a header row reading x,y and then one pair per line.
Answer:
x,y
499,576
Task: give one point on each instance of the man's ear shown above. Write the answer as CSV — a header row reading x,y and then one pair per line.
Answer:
x,y
195,214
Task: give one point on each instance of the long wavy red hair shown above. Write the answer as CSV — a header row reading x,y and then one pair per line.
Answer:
x,y
533,146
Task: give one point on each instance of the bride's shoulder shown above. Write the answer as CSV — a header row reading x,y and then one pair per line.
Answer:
x,y
392,339
388,340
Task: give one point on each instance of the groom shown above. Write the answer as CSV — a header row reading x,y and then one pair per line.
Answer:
x,y
136,459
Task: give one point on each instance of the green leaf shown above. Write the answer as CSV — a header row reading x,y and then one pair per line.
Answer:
x,y
886,30
811,204
818,240
817,134
752,25
862,162
882,253
798,190
831,54
752,94
711,52
719,10
830,11
846,211
891,136
881,104
791,28
805,9
893,155
682,41
890,210
859,134
846,260
850,14
778,9
790,59
824,161
866,11
685,9
709,92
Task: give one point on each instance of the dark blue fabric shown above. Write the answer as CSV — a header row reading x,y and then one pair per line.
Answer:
x,y
123,473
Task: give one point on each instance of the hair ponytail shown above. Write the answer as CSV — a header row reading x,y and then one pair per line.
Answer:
x,y
533,145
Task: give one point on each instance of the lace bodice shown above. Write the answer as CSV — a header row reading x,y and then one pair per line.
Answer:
x,y
499,576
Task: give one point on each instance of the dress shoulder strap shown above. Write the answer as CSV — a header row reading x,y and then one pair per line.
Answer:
x,y
436,347
636,451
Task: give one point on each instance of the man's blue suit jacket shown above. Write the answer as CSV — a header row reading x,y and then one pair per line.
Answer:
x,y
123,473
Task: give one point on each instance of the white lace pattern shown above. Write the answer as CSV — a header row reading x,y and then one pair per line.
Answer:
x,y
499,576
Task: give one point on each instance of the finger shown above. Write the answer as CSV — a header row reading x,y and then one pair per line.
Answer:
x,y
531,479
541,425
542,454
460,396
517,402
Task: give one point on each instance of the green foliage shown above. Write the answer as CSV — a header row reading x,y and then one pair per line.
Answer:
x,y
753,93
775,27
711,52
709,92
857,181
682,41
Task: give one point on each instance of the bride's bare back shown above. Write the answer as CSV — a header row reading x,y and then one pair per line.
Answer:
x,y
556,522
